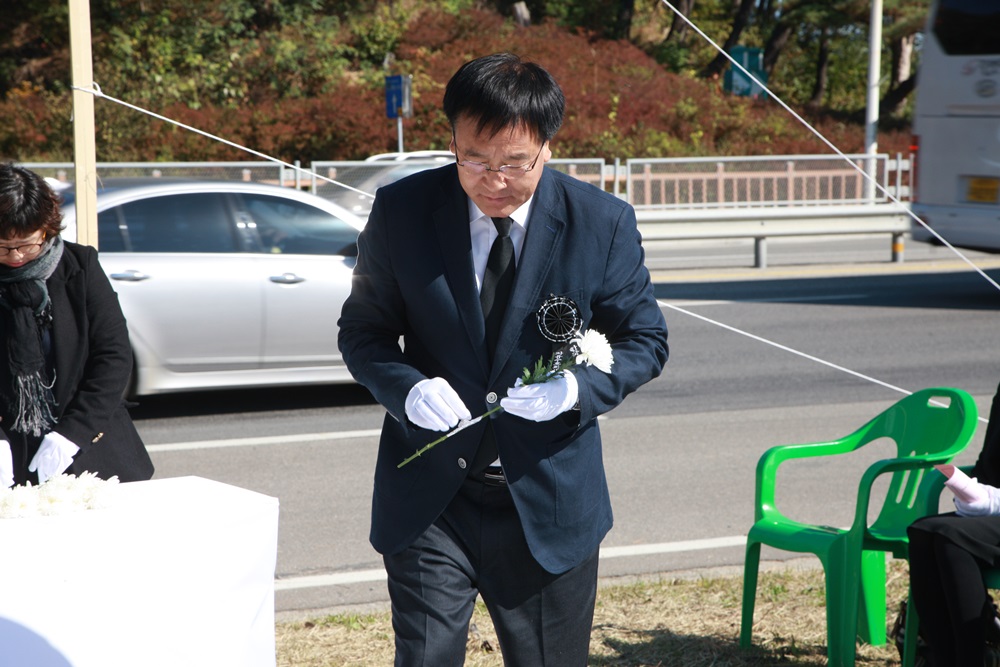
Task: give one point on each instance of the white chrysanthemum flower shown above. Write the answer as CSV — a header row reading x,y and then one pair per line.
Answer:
x,y
19,502
595,350
99,493
60,494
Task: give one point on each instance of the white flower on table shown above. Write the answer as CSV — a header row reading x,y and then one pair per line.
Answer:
x,y
60,494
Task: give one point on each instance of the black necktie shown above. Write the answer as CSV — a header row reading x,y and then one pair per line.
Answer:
x,y
493,296
497,282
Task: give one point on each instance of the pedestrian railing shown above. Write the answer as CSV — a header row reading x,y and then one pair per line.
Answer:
x,y
795,180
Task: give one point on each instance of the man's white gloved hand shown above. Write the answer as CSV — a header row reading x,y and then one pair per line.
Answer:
x,y
989,504
53,457
6,465
543,401
434,405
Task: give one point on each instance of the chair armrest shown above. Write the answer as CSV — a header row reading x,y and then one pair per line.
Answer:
x,y
767,465
884,466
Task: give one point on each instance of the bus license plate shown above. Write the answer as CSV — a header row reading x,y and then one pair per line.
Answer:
x,y
984,190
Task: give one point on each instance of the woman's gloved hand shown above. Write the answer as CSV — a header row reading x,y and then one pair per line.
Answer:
x,y
53,457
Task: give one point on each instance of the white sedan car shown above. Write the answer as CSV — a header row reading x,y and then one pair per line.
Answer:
x,y
225,284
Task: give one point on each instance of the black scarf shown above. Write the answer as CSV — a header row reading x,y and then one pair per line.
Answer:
x,y
24,298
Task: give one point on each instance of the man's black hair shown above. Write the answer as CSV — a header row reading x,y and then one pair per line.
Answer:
x,y
502,91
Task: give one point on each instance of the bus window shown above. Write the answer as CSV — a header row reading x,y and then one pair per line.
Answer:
x,y
968,27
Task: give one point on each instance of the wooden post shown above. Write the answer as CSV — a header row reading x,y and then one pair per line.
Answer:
x,y
84,144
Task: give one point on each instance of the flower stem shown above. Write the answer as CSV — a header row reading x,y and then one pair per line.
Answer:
x,y
447,435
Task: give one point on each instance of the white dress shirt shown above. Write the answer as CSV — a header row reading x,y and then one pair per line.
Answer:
x,y
484,232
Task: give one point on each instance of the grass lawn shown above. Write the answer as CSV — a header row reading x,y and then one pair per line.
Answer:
x,y
681,622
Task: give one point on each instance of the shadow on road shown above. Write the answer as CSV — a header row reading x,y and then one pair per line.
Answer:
x,y
964,290
232,401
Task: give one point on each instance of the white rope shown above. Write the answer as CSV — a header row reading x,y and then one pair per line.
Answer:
x,y
785,348
97,92
832,147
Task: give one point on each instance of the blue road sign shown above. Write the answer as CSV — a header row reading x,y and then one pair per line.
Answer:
x,y
398,97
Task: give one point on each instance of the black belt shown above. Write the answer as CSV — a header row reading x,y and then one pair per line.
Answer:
x,y
494,476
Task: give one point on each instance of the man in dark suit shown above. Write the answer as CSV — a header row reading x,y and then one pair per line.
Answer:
x,y
454,266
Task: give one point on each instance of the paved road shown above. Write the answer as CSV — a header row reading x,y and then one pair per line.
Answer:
x,y
680,452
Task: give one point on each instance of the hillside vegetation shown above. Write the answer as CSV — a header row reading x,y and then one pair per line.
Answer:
x,y
298,86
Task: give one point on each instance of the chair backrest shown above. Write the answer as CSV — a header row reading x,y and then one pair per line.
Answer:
x,y
932,423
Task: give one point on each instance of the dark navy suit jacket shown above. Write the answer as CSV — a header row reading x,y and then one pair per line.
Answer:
x,y
414,313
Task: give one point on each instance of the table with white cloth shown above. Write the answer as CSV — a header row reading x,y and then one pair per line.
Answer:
x,y
176,571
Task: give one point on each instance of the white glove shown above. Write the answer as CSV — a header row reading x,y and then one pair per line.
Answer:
x,y
988,505
434,405
6,465
53,457
543,401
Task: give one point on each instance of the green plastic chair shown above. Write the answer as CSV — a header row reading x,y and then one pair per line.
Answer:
x,y
928,427
929,496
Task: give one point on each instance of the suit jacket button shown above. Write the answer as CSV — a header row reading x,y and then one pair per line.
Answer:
x,y
462,464
491,397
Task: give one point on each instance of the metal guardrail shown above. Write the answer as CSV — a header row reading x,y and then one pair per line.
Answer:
x,y
675,199
760,197
761,223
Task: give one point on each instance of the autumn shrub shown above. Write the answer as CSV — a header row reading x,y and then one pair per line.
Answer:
x,y
316,92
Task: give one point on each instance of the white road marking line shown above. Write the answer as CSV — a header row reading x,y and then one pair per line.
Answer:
x,y
368,576
722,302
673,547
263,440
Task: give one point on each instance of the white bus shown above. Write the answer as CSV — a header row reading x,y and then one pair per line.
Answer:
x,y
956,125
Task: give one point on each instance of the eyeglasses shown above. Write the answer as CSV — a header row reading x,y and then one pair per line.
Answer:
x,y
510,171
26,250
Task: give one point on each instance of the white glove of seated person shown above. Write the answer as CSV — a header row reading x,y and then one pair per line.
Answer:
x,y
53,457
434,405
988,505
6,465
543,401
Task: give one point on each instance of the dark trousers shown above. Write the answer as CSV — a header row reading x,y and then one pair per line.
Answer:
x,y
951,599
475,547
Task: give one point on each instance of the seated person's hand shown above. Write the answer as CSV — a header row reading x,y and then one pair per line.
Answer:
x,y
433,404
53,457
543,401
989,504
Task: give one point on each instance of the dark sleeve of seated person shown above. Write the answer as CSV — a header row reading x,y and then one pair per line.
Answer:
x,y
947,554
987,468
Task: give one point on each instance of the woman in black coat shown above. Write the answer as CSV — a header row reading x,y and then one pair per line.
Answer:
x,y
947,555
65,357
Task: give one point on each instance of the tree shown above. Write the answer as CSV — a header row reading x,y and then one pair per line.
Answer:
x,y
678,26
904,20
623,25
822,71
776,43
34,38
740,21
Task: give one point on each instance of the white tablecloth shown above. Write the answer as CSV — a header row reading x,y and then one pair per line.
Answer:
x,y
178,572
